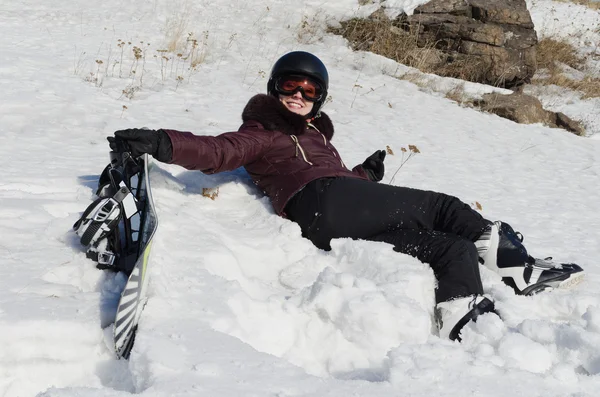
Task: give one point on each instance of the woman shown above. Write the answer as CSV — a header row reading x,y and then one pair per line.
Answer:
x,y
285,145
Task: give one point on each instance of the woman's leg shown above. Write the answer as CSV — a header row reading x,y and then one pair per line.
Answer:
x,y
436,228
454,260
343,207
349,207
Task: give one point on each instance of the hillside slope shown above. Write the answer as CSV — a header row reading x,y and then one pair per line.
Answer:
x,y
240,304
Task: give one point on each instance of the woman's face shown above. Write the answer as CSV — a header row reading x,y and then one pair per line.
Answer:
x,y
296,104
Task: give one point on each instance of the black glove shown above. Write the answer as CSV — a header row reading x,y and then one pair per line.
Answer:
x,y
139,141
374,167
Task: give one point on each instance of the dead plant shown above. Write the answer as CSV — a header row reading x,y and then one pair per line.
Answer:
x,y
594,5
589,86
380,36
176,26
407,154
552,55
460,96
404,44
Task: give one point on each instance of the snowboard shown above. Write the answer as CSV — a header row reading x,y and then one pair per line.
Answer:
x,y
117,229
140,229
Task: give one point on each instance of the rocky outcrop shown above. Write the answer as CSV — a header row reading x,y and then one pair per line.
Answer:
x,y
488,41
526,109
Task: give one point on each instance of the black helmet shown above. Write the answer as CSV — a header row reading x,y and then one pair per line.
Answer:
x,y
304,64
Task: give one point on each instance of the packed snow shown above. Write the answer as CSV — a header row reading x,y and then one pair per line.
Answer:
x,y
239,302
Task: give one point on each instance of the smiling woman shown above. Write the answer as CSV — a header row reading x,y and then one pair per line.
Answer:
x,y
300,81
285,146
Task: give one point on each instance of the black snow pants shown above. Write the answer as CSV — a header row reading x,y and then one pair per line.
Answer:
x,y
435,228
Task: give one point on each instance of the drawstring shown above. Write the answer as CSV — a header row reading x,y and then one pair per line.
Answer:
x,y
298,147
313,126
341,161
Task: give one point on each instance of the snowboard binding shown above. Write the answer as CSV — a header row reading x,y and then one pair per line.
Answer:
x,y
501,249
109,227
451,316
550,275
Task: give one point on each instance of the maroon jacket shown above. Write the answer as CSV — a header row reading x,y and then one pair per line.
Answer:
x,y
280,151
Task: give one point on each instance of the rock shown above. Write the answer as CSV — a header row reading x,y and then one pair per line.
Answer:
x,y
379,15
520,38
564,121
503,67
512,12
526,109
460,27
455,7
496,35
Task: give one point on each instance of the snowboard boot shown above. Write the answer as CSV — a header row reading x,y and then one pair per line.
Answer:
x,y
451,316
500,249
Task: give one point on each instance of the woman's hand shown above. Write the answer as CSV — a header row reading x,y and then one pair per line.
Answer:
x,y
138,141
374,167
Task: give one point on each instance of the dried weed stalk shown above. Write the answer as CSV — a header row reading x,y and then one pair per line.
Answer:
x,y
407,154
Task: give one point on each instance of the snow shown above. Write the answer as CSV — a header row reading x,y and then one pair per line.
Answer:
x,y
396,7
565,20
240,303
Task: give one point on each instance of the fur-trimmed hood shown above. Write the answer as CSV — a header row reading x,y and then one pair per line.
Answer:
x,y
274,116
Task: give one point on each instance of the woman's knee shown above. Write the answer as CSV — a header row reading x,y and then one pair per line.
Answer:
x,y
461,253
470,250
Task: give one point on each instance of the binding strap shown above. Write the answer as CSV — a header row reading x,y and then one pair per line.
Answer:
x,y
100,220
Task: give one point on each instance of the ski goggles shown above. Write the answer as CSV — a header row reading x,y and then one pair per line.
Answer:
x,y
289,85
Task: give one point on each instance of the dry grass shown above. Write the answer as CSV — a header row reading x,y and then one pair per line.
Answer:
x,y
197,50
590,86
460,96
457,94
310,30
210,192
416,78
380,36
390,39
594,5
176,27
551,55
470,68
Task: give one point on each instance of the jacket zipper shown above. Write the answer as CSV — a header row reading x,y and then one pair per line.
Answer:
x,y
325,143
298,147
